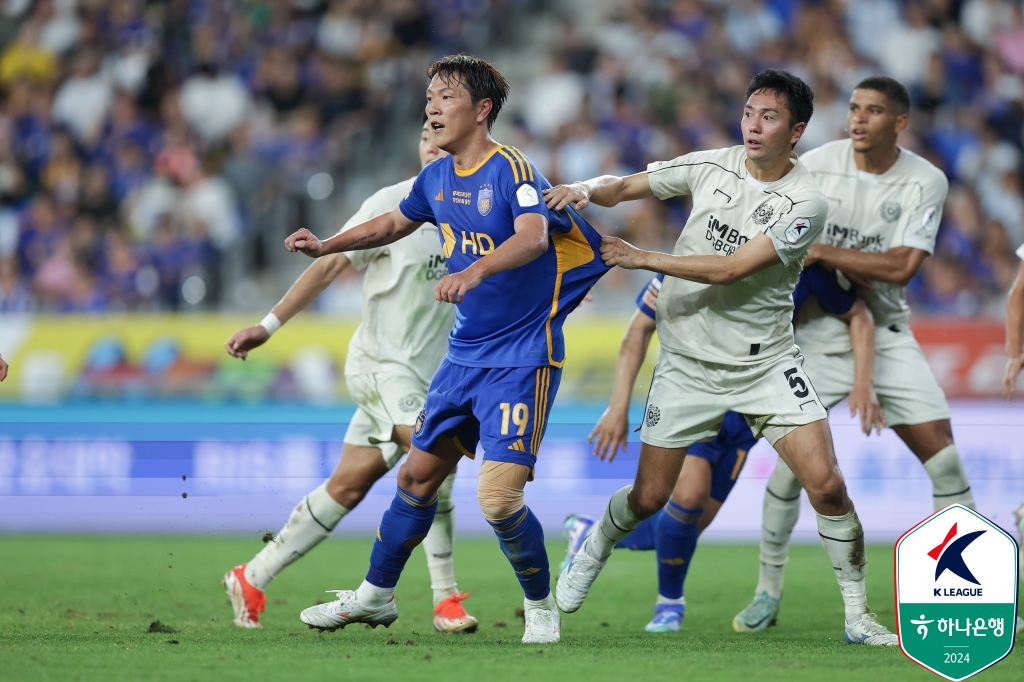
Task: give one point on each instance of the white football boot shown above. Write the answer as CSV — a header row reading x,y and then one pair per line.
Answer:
x,y
576,579
867,630
346,609
543,624
759,615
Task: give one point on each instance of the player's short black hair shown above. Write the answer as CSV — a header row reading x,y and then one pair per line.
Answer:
x,y
894,91
798,94
479,77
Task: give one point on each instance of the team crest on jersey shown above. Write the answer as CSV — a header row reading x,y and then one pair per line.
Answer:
x,y
891,211
763,214
409,403
653,415
422,417
485,199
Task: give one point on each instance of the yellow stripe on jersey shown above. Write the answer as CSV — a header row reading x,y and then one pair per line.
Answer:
x,y
449,240
469,171
526,162
511,162
571,251
518,159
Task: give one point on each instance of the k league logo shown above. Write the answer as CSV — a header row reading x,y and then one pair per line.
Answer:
x,y
956,592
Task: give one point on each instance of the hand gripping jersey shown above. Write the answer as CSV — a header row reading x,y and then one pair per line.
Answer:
x,y
401,323
873,213
514,318
747,322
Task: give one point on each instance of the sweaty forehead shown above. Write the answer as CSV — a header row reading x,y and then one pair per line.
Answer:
x,y
446,82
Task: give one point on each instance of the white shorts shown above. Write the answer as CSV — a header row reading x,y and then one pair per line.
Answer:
x,y
689,398
904,383
385,400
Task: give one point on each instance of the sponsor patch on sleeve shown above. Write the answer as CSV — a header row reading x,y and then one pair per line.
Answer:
x,y
527,196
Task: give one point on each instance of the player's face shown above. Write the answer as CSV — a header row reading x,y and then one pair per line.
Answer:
x,y
428,150
765,126
451,115
872,120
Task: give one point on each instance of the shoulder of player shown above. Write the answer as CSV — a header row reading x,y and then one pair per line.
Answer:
x,y
513,164
827,156
727,159
924,171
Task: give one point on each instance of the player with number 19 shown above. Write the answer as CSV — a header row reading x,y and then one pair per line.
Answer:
x,y
517,269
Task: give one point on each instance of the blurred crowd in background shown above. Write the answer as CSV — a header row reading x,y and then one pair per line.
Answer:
x,y
153,155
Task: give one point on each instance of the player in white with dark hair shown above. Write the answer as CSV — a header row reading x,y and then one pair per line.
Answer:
x,y
391,358
727,340
885,204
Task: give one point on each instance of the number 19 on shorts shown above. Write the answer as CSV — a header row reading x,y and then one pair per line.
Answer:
x,y
520,415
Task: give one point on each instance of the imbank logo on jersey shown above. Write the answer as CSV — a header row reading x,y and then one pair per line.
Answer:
x,y
956,592
724,238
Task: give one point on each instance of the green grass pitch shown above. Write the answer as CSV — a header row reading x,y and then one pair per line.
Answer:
x,y
78,608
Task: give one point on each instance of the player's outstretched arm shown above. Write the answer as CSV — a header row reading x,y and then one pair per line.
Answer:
x,y
610,433
384,229
756,255
862,398
1014,334
528,244
897,265
3,369
304,291
607,190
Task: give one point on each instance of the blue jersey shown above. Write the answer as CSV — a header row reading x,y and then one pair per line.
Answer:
x,y
514,318
817,281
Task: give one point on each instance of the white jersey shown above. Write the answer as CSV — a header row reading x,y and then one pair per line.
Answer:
x,y
746,322
401,325
872,213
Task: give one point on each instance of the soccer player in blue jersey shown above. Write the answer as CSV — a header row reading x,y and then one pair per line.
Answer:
x,y
673,531
516,270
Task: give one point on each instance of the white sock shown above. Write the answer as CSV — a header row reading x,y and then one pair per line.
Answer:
x,y
373,596
665,600
311,521
439,543
843,540
949,480
617,522
779,516
547,602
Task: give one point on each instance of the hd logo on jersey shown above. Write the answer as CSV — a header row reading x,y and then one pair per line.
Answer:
x,y
956,592
485,199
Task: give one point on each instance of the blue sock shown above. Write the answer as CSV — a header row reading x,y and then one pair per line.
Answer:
x,y
403,526
522,540
676,543
642,537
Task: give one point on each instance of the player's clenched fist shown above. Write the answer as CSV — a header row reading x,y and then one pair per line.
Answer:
x,y
615,251
453,288
304,241
243,341
560,196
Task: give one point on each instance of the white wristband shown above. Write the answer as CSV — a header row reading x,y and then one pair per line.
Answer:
x,y
270,323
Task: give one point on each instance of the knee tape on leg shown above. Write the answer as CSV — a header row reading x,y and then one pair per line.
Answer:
x,y
500,489
946,470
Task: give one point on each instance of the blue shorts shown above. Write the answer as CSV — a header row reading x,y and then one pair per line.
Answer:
x,y
727,453
504,409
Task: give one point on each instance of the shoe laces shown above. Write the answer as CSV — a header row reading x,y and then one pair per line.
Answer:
x,y
869,625
539,618
451,607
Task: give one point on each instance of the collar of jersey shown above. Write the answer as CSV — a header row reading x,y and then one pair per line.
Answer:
x,y
474,169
